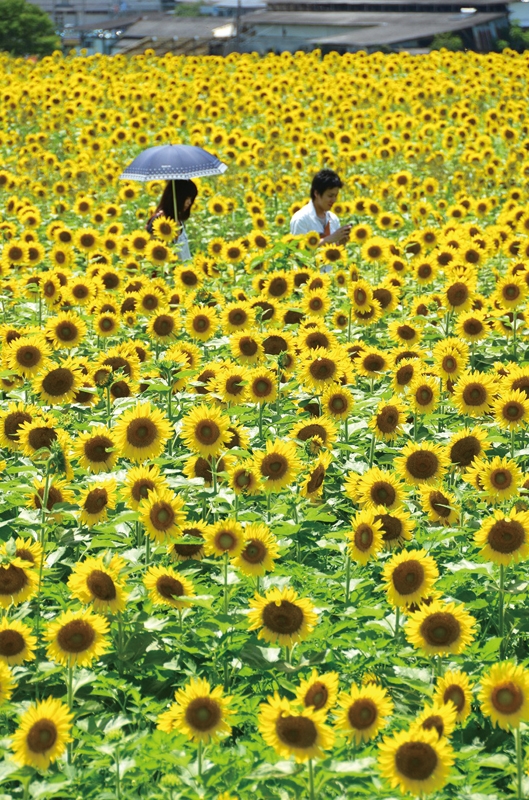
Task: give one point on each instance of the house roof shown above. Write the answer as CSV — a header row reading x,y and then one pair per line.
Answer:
x,y
169,26
371,28
415,6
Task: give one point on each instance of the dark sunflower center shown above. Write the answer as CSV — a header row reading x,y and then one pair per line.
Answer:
x,y
456,694
362,713
383,493
11,643
12,580
440,629
408,577
254,552
296,731
189,550
277,287
416,760
322,369
507,698
141,432
13,422
511,291
424,395
248,346
207,432
472,326
28,356
163,325
237,316
203,714
310,431
373,363
169,587
406,332
474,394
316,479
101,585
58,382
285,618
273,345
201,323
234,385
465,451
501,478
391,527
317,695
434,722
262,387
363,537
98,448
274,466
96,500
522,384
41,736
457,294
26,555
76,636
439,503
162,516
513,411
337,403
315,340
404,375
449,364
66,331
226,540
506,536
204,377
388,419
141,488
423,464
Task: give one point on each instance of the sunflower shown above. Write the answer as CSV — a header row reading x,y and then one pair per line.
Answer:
x,y
409,576
205,430
95,582
454,688
142,432
387,423
292,732
450,358
96,500
365,537
363,711
183,550
80,291
397,527
472,326
277,466
440,505
28,355
504,538
424,394
504,695
511,291
43,733
511,410
66,330
12,420
318,692
167,587
324,428
7,683
474,393
201,322
140,482
282,616
260,550
378,487
441,717
237,316
403,374
372,362
96,449
403,333
441,628
312,484
77,638
106,325
200,712
262,385
17,643
224,538
59,385
500,478
28,550
322,368
337,402
18,580
57,493
421,464
467,445
165,228
162,514
416,761
200,467
243,478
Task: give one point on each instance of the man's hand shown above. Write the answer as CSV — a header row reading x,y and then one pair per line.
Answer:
x,y
338,237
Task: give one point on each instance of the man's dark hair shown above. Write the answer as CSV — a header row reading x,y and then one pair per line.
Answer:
x,y
323,180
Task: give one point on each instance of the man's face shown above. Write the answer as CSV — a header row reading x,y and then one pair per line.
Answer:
x,y
327,199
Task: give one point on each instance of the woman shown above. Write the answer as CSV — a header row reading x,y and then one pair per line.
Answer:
x,y
184,193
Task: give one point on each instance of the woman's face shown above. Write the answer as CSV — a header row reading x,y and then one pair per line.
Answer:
x,y
188,202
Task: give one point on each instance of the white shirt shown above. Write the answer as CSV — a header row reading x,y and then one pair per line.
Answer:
x,y
182,247
306,220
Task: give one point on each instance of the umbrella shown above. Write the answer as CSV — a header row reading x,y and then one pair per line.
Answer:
x,y
173,162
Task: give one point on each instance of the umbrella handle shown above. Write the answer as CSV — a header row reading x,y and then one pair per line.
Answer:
x,y
175,210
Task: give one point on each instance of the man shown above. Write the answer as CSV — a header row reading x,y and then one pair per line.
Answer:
x,y
317,214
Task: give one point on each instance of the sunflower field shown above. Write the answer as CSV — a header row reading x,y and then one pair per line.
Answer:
x,y
264,514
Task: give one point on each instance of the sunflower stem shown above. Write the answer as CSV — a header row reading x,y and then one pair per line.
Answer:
x,y
415,427
107,394
225,583
199,758
519,764
118,781
215,485
397,622
346,432
512,442
501,615
236,507
147,550
347,577
69,690
514,325
312,795
261,410
288,655
372,451
349,324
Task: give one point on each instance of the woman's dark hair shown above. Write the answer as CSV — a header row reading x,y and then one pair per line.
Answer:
x,y
323,180
183,190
